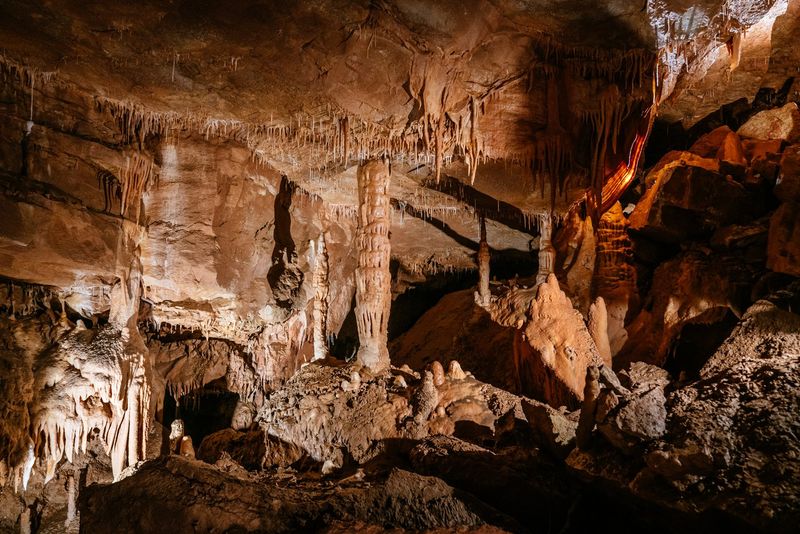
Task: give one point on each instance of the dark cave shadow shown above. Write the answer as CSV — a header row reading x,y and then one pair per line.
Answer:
x,y
492,208
436,223
284,244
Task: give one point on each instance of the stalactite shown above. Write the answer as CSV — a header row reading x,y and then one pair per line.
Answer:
x,y
139,174
607,123
112,190
320,311
373,278
472,150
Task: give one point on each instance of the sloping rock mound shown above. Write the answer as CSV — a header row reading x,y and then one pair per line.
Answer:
x,y
175,494
515,480
457,329
334,415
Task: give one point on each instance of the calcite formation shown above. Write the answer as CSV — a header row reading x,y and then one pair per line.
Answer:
x,y
484,295
379,265
373,279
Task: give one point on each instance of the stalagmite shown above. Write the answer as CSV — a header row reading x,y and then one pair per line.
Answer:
x,y
186,447
176,434
320,312
587,418
72,498
373,279
598,329
25,521
547,253
484,296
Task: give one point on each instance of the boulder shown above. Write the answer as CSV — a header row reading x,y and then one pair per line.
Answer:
x,y
787,186
644,416
641,376
732,160
780,123
550,427
710,144
783,242
246,448
687,201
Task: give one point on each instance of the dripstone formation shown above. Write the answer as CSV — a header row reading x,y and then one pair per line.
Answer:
x,y
386,266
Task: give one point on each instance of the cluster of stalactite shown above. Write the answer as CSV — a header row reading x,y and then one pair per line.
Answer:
x,y
448,127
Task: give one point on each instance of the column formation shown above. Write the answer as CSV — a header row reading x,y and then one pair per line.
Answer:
x,y
547,254
320,311
373,279
484,295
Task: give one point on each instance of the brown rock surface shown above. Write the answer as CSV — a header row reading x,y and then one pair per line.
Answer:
x,y
782,123
730,439
181,495
783,243
694,287
787,187
685,201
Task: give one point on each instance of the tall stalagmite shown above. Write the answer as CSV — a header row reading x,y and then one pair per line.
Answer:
x,y
547,253
484,296
373,279
320,312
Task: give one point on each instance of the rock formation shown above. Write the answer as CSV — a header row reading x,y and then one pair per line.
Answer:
x,y
239,246
484,295
373,279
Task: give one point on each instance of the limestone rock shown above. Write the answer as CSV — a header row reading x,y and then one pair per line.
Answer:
x,y
501,478
688,201
643,417
787,187
597,323
551,427
782,123
641,376
750,383
553,348
245,448
176,494
709,145
783,244
456,329
243,415
693,287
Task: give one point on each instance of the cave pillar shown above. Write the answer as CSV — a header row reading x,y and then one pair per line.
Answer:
x,y
373,279
547,253
320,311
484,295
72,498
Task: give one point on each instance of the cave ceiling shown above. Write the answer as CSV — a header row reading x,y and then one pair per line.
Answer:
x,y
496,106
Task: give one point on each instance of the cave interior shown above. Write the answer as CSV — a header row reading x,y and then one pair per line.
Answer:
x,y
473,266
